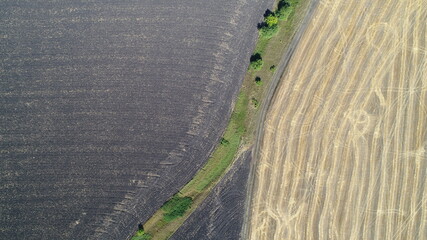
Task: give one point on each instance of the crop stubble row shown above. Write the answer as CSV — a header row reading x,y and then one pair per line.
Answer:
x,y
343,154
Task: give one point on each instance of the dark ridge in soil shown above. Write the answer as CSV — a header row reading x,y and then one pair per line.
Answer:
x,y
107,108
220,216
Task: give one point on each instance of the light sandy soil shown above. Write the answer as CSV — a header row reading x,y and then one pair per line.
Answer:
x,y
343,153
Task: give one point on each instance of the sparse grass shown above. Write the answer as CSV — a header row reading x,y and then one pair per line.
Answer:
x,y
240,130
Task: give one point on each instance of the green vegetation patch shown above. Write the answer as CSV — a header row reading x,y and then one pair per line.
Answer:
x,y
176,207
268,31
241,126
284,10
271,20
255,102
269,27
224,142
258,81
225,152
273,68
141,235
256,62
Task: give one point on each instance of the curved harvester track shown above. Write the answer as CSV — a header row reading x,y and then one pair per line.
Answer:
x,y
343,153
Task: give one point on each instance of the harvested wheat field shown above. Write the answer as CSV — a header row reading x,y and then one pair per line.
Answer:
x,y
343,152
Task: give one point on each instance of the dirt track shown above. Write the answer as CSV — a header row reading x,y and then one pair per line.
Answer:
x,y
343,150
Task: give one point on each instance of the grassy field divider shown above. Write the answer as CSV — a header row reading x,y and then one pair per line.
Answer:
x,y
239,133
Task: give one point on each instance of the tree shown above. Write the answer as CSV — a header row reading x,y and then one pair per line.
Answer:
x,y
258,81
269,27
256,62
284,9
283,4
283,13
273,68
268,31
271,20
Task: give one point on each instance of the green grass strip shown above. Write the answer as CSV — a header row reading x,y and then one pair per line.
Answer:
x,y
239,132
225,151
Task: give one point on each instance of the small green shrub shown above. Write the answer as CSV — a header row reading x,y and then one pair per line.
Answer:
x,y
256,65
176,207
283,4
141,235
256,62
273,68
255,102
271,20
284,9
268,31
258,81
268,28
224,142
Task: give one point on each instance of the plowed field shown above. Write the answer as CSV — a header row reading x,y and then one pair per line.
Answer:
x,y
107,108
343,153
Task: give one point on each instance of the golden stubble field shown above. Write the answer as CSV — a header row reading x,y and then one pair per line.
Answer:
x,y
343,153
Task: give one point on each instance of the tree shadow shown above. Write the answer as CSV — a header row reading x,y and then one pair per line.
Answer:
x,y
283,4
261,25
264,24
255,57
268,12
